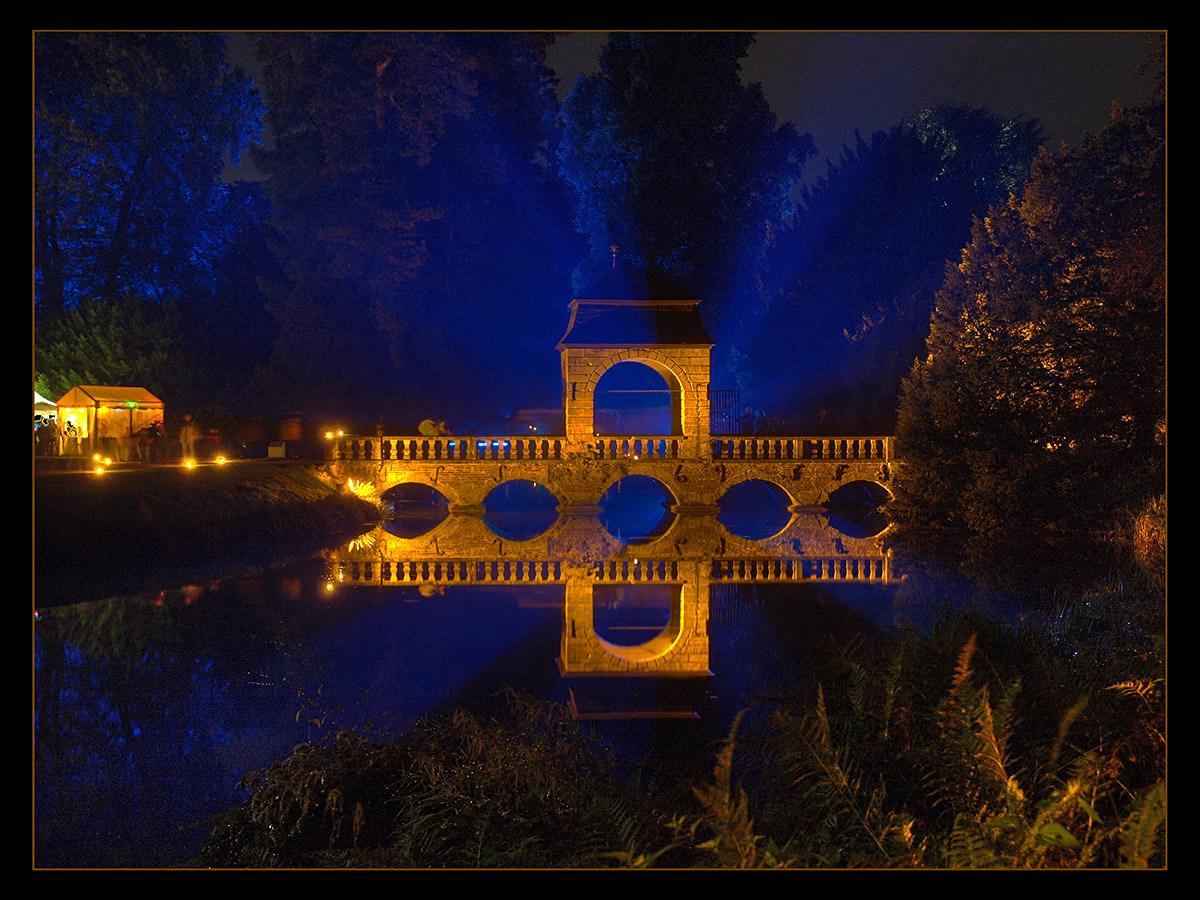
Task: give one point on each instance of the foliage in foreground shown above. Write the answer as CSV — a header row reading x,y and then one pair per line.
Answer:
x,y
1012,763
531,791
970,745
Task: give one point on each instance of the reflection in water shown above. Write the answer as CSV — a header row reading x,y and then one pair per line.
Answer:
x,y
635,510
854,509
413,509
755,509
632,615
150,709
520,510
858,523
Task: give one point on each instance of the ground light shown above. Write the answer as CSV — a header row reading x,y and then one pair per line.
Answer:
x,y
189,464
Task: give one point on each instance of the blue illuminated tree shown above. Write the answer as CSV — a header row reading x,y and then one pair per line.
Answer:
x,y
679,164
417,223
131,133
853,273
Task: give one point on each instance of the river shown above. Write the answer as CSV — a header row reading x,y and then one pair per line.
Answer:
x,y
150,709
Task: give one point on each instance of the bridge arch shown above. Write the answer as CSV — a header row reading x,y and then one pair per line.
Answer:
x,y
621,369
663,616
636,509
428,476
861,492
520,509
756,509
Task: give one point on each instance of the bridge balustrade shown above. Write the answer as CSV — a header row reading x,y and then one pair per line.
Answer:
x,y
637,447
805,569
449,572
637,571
803,448
842,449
447,448
620,571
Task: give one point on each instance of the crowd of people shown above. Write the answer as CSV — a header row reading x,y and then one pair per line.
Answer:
x,y
116,441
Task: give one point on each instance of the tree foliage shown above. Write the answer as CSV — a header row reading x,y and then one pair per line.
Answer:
x,y
1041,400
407,192
679,164
131,132
854,271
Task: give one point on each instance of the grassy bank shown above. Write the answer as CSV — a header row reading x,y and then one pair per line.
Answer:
x,y
103,535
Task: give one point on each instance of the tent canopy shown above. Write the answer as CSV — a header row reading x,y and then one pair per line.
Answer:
x,y
41,404
100,396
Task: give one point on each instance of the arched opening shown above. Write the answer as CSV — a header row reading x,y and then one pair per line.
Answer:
x,y
854,509
520,510
634,398
636,622
755,510
636,510
413,509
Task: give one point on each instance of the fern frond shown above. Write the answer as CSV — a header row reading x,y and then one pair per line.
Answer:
x,y
970,849
1140,832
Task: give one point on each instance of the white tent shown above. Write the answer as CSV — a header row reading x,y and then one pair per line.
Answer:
x,y
42,405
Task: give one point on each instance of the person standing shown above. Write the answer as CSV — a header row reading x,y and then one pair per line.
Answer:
x,y
187,438
51,439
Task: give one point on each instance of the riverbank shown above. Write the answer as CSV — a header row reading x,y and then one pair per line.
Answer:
x,y
134,529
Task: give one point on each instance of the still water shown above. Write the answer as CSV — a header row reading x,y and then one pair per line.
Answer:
x,y
655,629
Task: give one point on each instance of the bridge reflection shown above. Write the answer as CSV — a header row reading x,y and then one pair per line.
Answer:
x,y
628,610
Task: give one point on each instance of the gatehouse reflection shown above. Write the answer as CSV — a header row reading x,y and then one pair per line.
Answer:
x,y
639,608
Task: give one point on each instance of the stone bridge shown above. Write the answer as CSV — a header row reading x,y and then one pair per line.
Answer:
x,y
629,319
633,321
465,470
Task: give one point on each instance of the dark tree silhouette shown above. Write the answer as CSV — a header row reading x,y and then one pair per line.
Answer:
x,y
681,166
415,217
1040,402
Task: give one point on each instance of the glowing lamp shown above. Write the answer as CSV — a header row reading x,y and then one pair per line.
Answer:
x,y
220,460
329,435
191,464
99,470
108,461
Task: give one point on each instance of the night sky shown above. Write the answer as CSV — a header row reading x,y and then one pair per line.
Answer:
x,y
830,83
